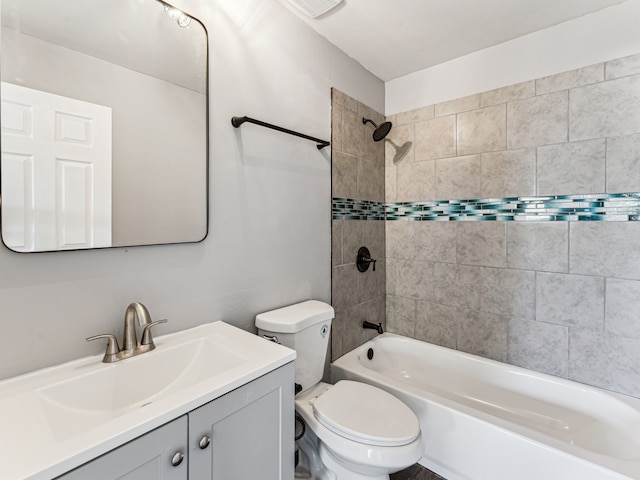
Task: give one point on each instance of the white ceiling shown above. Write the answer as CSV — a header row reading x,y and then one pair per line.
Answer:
x,y
392,38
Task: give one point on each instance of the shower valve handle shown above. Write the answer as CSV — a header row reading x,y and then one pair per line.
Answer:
x,y
364,260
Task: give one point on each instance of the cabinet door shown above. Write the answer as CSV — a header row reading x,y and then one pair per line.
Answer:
x,y
146,458
250,432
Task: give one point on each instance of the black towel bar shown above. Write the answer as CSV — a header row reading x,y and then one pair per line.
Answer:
x,y
237,121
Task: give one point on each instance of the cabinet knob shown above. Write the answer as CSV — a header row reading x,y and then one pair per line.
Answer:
x,y
177,459
204,442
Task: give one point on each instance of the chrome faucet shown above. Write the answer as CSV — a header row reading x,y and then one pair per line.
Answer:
x,y
131,347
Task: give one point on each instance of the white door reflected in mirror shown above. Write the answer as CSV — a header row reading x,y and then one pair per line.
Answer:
x,y
56,164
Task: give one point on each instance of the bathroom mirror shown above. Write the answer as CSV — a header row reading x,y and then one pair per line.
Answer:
x,y
104,124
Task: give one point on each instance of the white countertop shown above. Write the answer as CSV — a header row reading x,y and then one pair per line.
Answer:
x,y
41,439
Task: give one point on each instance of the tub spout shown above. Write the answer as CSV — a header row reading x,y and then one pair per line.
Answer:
x,y
373,326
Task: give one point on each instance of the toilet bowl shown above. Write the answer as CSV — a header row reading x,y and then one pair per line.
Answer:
x,y
354,431
360,431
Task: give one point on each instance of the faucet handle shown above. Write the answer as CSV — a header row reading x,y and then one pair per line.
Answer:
x,y
147,339
112,346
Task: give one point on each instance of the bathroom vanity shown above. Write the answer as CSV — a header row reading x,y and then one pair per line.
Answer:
x,y
237,436
212,402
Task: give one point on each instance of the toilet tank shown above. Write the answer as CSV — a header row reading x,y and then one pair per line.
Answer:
x,y
304,327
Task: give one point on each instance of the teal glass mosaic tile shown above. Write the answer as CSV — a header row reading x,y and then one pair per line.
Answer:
x,y
607,207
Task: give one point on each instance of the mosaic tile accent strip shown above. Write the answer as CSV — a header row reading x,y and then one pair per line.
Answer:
x,y
609,207
351,209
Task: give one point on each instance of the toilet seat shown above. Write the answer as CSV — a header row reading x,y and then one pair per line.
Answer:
x,y
366,414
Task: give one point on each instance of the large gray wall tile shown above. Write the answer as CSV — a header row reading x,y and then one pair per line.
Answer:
x,y
482,130
537,121
605,109
400,239
435,241
608,249
416,181
538,246
370,181
483,334
346,290
349,287
457,285
344,175
622,311
570,168
390,184
570,300
606,361
509,93
510,293
435,138
401,315
623,67
571,79
410,279
336,242
481,243
623,164
458,178
413,116
539,346
343,100
353,133
336,337
457,105
510,173
363,233
437,324
337,131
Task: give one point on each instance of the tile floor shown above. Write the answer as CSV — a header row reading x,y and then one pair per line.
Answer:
x,y
416,472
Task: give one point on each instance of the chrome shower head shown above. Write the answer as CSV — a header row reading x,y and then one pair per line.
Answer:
x,y
380,131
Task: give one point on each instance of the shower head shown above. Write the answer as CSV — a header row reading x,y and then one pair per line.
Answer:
x,y
380,131
401,150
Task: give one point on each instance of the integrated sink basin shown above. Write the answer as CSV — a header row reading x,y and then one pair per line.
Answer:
x,y
61,417
157,374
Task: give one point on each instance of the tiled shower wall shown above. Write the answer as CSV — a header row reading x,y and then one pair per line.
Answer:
x,y
550,293
358,173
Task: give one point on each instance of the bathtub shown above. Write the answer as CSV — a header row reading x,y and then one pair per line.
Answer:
x,y
486,420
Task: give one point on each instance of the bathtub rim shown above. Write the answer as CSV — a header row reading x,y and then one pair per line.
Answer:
x,y
351,368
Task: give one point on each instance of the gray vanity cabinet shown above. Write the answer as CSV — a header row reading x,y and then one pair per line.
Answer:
x,y
148,457
247,433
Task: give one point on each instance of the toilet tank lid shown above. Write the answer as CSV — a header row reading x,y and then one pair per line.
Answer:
x,y
295,318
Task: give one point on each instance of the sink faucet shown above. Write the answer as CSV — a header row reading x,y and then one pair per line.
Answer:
x,y
131,346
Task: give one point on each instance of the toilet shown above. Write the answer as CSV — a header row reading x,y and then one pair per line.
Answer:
x,y
352,430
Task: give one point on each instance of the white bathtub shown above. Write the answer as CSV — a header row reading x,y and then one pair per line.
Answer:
x,y
486,420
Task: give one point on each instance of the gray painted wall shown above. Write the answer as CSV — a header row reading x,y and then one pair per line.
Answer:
x,y
270,223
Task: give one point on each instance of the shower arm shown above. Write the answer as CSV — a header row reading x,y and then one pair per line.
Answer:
x,y
237,121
